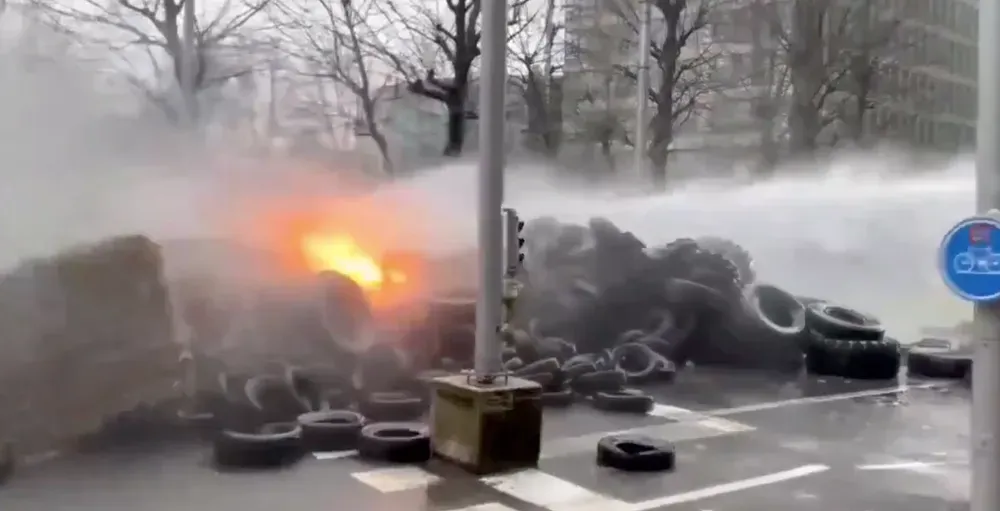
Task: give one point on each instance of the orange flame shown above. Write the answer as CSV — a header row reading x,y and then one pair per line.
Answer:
x,y
342,255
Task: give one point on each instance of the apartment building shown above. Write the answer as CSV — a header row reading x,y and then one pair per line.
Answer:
x,y
926,90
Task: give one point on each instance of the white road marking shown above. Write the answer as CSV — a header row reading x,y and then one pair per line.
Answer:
x,y
771,405
726,488
922,467
334,455
550,492
684,415
389,480
673,432
489,506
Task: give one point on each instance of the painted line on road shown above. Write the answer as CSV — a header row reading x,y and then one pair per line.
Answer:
x,y
489,506
391,480
334,455
920,467
771,405
679,414
555,494
726,488
550,492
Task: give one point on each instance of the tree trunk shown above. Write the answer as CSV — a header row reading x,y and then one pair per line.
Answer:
x,y
456,130
804,124
659,149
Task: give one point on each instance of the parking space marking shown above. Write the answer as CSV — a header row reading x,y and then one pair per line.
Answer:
x,y
726,488
390,480
551,492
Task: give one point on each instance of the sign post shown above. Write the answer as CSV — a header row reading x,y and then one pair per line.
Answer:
x,y
969,261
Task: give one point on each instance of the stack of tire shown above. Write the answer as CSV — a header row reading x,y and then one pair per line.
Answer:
x,y
848,343
940,359
273,420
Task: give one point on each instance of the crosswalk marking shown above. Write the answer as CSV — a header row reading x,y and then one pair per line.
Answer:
x,y
550,492
390,480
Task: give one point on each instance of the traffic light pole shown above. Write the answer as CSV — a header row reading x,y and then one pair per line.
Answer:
x,y
986,366
493,78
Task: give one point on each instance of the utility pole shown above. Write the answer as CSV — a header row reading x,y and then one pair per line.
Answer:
x,y
492,84
189,66
986,369
642,94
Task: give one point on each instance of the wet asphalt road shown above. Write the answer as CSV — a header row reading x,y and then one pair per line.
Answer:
x,y
744,442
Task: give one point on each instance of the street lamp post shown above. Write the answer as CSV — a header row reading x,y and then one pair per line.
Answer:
x,y
189,65
986,370
493,78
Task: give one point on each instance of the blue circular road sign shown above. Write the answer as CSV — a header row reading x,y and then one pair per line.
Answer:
x,y
969,259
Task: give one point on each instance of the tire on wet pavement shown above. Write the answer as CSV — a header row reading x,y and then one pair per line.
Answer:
x,y
776,310
939,358
391,406
333,430
636,453
854,358
395,442
557,398
638,361
624,400
599,381
272,445
839,322
274,398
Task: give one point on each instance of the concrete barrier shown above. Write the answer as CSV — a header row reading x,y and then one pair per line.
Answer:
x,y
86,336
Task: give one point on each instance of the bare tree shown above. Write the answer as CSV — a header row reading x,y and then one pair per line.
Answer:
x,y
455,35
154,27
537,76
685,70
344,47
835,52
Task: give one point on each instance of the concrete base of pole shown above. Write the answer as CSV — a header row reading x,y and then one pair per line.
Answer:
x,y
487,429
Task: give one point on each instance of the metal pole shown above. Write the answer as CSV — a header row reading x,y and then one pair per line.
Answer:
x,y
642,98
492,80
189,64
986,374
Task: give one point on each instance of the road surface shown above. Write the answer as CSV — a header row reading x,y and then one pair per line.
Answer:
x,y
745,442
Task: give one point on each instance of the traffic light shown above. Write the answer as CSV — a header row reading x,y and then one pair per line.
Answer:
x,y
514,241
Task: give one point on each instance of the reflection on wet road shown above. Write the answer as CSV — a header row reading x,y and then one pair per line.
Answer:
x,y
744,441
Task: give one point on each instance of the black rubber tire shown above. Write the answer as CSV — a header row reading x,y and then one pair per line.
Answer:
x,y
599,381
274,398
638,361
546,380
636,453
776,310
558,398
391,406
687,296
736,254
513,364
838,322
333,430
274,445
939,358
395,442
624,400
548,365
856,359
575,368
305,388
200,424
